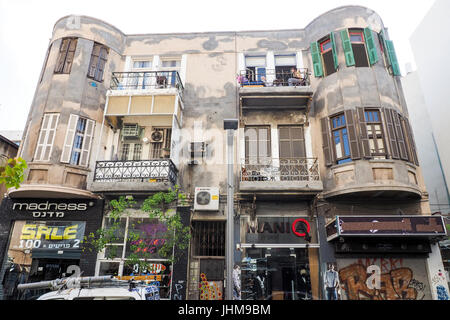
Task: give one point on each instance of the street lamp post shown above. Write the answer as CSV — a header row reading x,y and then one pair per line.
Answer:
x,y
230,125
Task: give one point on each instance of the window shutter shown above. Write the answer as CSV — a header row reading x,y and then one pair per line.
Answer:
x,y
326,142
70,54
317,60
87,143
62,56
370,46
46,137
412,146
68,141
364,137
352,137
383,43
333,49
348,50
391,133
393,58
400,135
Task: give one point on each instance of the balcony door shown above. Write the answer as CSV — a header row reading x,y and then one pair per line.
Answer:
x,y
292,151
258,153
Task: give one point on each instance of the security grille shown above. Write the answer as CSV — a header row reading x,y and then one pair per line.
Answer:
x,y
209,238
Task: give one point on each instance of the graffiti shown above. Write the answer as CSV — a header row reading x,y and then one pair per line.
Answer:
x,y
442,293
209,290
374,281
394,285
179,293
420,288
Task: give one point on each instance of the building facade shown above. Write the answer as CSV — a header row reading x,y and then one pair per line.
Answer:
x,y
325,166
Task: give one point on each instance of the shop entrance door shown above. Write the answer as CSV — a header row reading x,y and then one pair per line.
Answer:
x,y
275,274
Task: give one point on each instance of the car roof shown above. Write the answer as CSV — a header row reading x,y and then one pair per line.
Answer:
x,y
110,292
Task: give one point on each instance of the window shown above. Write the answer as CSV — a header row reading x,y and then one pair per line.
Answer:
x,y
283,66
173,64
324,56
255,69
359,48
208,238
257,144
340,139
326,49
78,141
375,134
131,151
46,137
142,64
98,62
66,54
137,237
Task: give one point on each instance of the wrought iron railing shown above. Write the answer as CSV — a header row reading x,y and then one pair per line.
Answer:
x,y
279,169
273,78
146,80
156,170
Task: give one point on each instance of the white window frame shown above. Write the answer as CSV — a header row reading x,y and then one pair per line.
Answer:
x,y
69,140
101,258
46,130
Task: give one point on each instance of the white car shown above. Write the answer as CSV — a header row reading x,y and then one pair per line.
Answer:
x,y
104,293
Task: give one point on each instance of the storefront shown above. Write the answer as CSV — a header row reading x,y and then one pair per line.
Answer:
x,y
280,258
41,239
386,257
135,253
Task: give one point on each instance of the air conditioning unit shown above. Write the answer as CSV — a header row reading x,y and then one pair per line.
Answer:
x,y
131,131
206,199
157,136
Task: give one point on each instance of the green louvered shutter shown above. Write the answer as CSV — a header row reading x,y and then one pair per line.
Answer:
x,y
317,60
383,43
370,45
393,58
333,49
348,51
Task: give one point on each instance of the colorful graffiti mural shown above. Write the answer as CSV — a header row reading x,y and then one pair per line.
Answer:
x,y
210,290
398,279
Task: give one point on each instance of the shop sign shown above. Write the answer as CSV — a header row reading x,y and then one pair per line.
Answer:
x,y
51,208
50,235
282,230
424,226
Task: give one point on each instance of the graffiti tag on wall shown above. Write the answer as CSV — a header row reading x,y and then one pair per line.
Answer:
x,y
210,290
396,281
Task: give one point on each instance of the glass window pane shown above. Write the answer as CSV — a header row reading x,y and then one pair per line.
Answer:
x,y
346,143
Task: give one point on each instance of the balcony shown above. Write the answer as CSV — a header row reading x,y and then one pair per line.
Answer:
x,y
272,78
134,175
274,89
124,83
280,175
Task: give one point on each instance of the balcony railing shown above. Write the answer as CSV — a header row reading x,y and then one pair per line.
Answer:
x,y
146,80
157,170
272,78
280,169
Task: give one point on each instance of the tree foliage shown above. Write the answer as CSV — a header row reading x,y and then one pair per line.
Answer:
x,y
12,173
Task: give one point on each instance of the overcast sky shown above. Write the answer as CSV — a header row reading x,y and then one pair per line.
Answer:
x,y
26,26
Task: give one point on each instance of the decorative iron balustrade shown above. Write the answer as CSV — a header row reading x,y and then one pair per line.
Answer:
x,y
157,170
280,169
271,78
146,80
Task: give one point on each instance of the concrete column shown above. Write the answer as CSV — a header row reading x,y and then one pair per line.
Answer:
x,y
436,275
